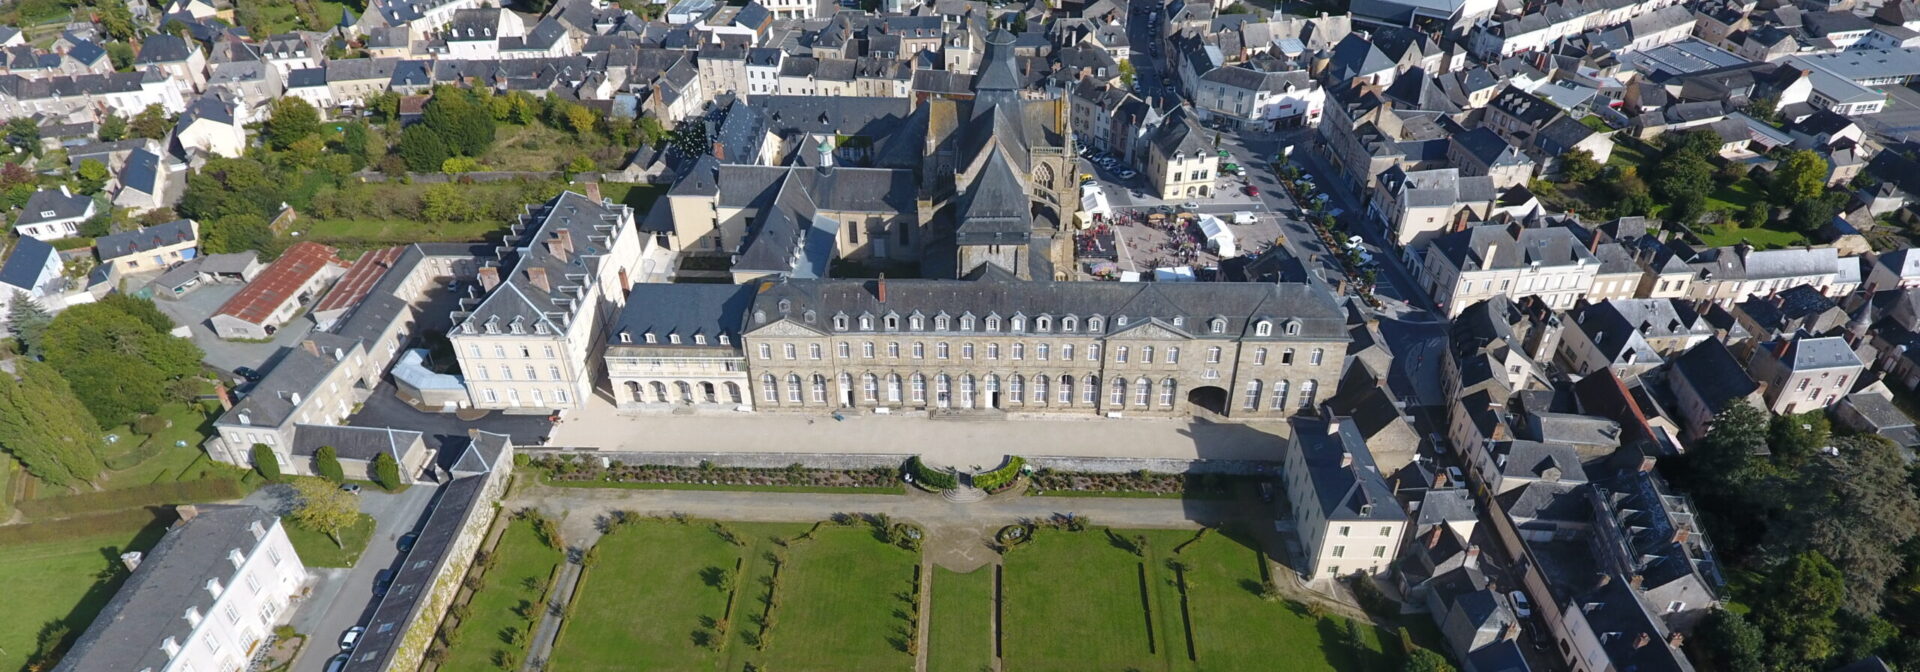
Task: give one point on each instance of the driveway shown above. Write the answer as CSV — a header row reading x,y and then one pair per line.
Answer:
x,y
343,597
446,432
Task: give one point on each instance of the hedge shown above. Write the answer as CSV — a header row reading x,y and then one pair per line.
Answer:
x,y
1000,478
929,477
156,494
128,520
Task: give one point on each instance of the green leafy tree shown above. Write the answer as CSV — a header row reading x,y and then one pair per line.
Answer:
x,y
24,135
44,427
581,163
386,471
466,129
265,462
227,187
153,122
92,176
120,366
1425,660
1735,643
323,507
355,142
1754,215
385,105
1794,438
98,225
446,203
140,309
235,233
291,119
1127,73
116,19
121,55
1811,214
459,164
422,149
113,128
27,321
1578,166
1729,454
1798,608
1856,510
1799,177
651,132
326,462
580,119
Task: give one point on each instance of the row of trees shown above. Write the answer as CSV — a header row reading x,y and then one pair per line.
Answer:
x,y
1834,537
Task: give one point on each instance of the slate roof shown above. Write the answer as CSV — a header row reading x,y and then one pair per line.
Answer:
x,y
23,267
63,204
1618,324
117,245
162,48
353,443
1714,374
1807,353
1354,491
517,298
407,597
1499,247
685,309
172,578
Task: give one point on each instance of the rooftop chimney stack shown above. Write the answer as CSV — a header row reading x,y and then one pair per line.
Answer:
x,y
489,278
538,277
311,347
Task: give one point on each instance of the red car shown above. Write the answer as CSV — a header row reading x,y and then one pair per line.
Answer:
x,y
1253,190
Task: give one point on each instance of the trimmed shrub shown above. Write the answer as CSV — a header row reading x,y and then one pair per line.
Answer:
x,y
999,479
265,462
929,477
157,494
326,462
386,472
149,424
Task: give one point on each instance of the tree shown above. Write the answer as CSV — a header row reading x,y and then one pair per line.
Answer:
x,y
226,187
466,129
1425,660
24,135
1811,214
1799,177
119,365
265,462
580,119
292,119
1728,456
92,176
1754,215
1798,607
324,507
1578,166
386,472
235,233
459,164
1735,643
27,320
651,132
385,105
1856,510
153,122
44,427
354,142
1794,438
326,462
113,128
422,149
117,20
1126,73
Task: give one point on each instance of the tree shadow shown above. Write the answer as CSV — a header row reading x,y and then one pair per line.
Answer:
x,y
713,576
1254,587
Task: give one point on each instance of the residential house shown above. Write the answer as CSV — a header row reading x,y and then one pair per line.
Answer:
x,y
1417,206
1630,336
33,270
1462,268
679,345
318,382
150,248
1343,510
1804,373
212,125
1707,379
1180,163
51,214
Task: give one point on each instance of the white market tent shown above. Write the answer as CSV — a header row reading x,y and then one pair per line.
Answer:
x,y
1218,236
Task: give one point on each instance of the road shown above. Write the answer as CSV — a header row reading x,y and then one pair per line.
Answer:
x,y
343,597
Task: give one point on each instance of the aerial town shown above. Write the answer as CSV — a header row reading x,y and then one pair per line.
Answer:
x,y
960,335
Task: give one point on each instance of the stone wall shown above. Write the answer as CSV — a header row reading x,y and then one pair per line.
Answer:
x,y
872,461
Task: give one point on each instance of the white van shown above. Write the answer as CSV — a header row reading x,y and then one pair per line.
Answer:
x,y
1244,218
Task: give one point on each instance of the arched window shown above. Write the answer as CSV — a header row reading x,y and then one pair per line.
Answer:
x,y
1279,395
1093,352
839,323
919,350
1040,351
870,386
793,387
966,323
1018,323
846,390
916,323
1307,390
1066,352
1119,396
769,390
1253,395
866,323
686,391
733,392
866,350
940,323
1293,328
993,351
1217,326
634,393
1019,351
940,350
942,389
1314,359
1069,323
1016,388
966,390
1093,325
893,322
1043,323
919,389
893,388
1066,390
1263,328
992,382
1039,389
819,389
993,323
1166,392
1141,388
1260,356
660,392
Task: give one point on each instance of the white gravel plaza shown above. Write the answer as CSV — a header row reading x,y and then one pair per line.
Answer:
x,y
959,441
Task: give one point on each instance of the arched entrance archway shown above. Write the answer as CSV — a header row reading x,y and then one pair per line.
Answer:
x,y
1210,398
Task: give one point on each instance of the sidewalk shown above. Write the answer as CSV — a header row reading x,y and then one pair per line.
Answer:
x,y
549,628
982,441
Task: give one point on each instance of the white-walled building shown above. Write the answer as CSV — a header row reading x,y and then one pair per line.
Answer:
x,y
1465,267
1343,509
51,214
202,600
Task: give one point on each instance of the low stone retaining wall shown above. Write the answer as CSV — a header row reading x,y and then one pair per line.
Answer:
x,y
1098,465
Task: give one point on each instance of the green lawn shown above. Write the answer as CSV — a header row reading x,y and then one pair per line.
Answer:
x,y
1073,601
960,628
63,581
509,602
678,572
1235,629
318,550
168,458
1735,196
640,197
844,604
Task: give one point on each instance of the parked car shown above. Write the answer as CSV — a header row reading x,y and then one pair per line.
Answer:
x,y
248,373
1127,173
381,582
1253,190
338,663
351,637
350,487
1521,607
406,542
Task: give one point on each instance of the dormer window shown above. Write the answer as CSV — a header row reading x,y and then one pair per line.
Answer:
x,y
993,323
1094,324
966,323
759,317
723,339
193,617
808,316
1263,328
1069,323
673,338
171,647
940,323
1018,323
1043,324
234,556
866,323
916,323
1293,328
1179,321
839,323
699,339
1218,326
540,328
893,322
785,306
651,338
626,337
1120,321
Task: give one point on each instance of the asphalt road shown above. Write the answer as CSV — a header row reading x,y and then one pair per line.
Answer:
x,y
343,597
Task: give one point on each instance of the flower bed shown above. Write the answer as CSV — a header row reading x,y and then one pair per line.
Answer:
x,y
573,471
1136,484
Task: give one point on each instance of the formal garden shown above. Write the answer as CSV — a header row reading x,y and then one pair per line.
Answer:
x,y
848,594
503,596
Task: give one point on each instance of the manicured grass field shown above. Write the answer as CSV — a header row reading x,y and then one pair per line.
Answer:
x,y
960,628
1074,601
1761,237
510,601
844,604
678,571
754,577
1235,629
318,550
60,581
169,459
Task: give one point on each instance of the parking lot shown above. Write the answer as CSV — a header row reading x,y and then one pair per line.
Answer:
x,y
193,310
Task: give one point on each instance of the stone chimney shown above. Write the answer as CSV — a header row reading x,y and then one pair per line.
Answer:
x,y
311,347
1433,538
489,278
537,276
1635,580
561,245
131,560
593,192
1676,639
186,512
1682,535
880,289
1473,553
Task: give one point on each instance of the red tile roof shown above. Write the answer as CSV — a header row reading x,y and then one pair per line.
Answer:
x,y
277,284
359,280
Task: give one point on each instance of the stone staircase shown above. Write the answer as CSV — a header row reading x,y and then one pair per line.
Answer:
x,y
963,494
